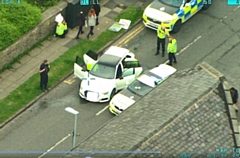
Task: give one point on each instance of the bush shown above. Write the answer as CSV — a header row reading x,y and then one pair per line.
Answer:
x,y
43,4
16,20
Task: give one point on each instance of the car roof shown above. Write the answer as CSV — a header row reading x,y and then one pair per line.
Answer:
x,y
110,60
163,70
148,80
117,51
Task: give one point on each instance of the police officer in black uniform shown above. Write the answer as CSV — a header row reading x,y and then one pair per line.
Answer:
x,y
43,70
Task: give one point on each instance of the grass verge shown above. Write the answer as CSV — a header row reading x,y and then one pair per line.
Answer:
x,y
61,67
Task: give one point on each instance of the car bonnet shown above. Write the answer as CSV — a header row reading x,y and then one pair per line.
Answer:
x,y
122,101
97,84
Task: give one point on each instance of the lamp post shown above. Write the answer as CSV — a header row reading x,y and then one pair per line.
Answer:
x,y
74,112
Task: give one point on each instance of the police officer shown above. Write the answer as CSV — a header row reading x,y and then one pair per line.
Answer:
x,y
43,70
172,49
161,33
61,29
90,66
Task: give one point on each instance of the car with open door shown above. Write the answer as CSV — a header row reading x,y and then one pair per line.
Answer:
x,y
108,74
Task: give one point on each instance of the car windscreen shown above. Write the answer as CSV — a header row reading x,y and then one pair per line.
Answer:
x,y
139,88
174,3
103,71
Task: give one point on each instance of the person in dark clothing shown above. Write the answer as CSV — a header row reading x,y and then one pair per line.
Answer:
x,y
43,70
234,94
81,22
97,9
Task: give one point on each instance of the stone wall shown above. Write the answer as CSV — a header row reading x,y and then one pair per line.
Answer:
x,y
46,26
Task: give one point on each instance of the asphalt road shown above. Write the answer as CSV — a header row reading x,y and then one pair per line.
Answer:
x,y
47,125
211,36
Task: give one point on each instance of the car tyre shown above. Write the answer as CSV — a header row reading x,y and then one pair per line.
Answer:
x,y
205,6
112,94
176,26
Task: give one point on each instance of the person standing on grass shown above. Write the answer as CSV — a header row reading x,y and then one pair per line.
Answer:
x,y
91,21
43,70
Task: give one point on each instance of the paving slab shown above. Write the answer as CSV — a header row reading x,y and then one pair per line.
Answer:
x,y
62,41
112,14
35,51
45,43
104,11
117,9
60,51
5,74
25,59
5,84
14,77
110,4
16,65
71,43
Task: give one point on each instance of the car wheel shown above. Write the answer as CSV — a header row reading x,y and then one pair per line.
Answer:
x,y
112,93
176,26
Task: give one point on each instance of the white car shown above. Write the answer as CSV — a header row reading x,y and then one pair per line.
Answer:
x,y
140,87
113,71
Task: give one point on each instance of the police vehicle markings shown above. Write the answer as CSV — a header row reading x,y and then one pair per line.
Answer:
x,y
183,49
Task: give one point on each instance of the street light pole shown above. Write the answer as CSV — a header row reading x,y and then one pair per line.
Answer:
x,y
75,131
74,112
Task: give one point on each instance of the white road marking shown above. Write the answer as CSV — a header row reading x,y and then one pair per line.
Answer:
x,y
186,47
236,8
55,145
101,111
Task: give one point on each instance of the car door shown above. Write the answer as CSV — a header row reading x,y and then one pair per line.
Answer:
x,y
90,57
187,10
194,7
78,70
133,63
124,78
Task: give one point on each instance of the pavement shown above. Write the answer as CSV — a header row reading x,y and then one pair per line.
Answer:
x,y
53,47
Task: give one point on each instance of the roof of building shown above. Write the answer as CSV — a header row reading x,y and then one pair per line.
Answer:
x,y
185,114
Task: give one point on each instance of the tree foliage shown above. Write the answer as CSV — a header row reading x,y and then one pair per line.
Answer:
x,y
16,20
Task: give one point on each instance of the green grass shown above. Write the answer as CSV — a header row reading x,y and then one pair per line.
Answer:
x,y
62,66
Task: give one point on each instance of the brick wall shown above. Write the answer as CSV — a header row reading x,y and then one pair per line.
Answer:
x,y
46,26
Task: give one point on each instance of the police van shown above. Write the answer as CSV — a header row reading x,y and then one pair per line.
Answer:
x,y
172,13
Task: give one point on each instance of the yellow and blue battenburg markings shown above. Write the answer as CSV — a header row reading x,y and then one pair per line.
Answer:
x,y
233,2
187,11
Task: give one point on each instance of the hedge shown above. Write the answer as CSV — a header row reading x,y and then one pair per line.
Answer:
x,y
16,20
